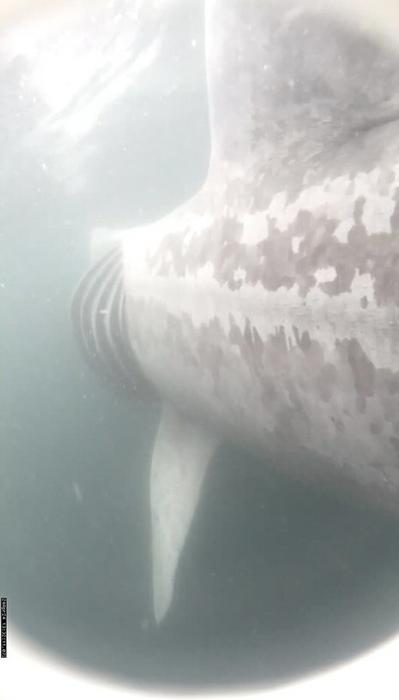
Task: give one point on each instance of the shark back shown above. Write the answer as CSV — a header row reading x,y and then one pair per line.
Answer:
x,y
290,82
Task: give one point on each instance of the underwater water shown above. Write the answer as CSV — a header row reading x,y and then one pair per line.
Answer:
x,y
276,579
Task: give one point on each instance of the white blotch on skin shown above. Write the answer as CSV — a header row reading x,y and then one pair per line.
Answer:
x,y
325,274
256,228
334,200
295,243
239,274
206,272
377,214
343,228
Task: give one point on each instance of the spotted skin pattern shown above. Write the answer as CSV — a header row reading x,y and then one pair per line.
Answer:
x,y
267,306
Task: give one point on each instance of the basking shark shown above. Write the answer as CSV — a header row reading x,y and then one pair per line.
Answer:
x,y
265,310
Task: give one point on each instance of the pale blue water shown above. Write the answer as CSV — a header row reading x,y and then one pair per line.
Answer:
x,y
275,580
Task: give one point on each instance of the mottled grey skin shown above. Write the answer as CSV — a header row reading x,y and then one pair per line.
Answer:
x,y
267,307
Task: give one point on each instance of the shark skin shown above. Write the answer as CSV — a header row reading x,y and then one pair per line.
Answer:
x,y
265,310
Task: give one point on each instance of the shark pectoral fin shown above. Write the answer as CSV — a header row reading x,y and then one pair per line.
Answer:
x,y
181,455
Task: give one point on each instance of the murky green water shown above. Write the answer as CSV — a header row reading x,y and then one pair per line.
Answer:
x,y
275,579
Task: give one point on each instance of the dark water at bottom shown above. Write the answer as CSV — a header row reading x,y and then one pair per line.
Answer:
x,y
276,580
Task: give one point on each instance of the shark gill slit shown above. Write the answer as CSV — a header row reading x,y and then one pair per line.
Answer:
x,y
98,312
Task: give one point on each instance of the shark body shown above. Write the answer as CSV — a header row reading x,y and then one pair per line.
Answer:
x,y
265,310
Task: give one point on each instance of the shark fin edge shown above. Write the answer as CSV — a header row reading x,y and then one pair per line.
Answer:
x,y
181,456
